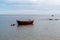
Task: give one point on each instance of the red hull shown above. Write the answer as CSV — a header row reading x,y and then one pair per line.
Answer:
x,y
25,22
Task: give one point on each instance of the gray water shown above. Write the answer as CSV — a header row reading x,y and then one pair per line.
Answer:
x,y
43,28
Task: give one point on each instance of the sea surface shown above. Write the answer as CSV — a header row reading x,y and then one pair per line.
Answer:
x,y
43,28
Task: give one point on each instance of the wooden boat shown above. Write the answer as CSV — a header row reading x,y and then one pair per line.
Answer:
x,y
30,22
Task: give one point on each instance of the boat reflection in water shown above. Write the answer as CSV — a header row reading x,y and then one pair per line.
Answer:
x,y
29,22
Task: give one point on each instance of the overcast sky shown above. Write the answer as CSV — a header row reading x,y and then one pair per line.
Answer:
x,y
29,6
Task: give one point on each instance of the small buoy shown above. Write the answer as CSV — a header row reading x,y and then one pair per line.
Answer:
x,y
12,24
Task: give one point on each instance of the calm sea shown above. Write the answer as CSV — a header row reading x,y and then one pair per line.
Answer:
x,y
43,28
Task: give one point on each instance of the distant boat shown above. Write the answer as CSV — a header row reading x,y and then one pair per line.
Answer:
x,y
53,18
30,22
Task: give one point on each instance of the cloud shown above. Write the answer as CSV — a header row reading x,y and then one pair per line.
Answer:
x,y
32,4
52,2
18,1
47,2
28,6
